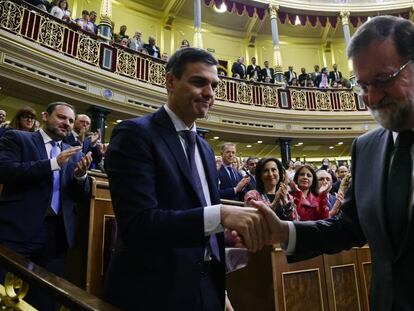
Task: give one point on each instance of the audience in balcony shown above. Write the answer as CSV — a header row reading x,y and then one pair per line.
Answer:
x,y
151,48
92,21
239,68
185,44
60,10
136,42
335,75
122,34
322,80
316,72
165,57
84,22
303,77
23,120
267,73
290,75
254,71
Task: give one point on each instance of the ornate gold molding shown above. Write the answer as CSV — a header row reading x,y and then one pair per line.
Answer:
x,y
344,17
273,10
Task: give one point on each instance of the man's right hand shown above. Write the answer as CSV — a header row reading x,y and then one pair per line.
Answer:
x,y
65,155
242,183
249,224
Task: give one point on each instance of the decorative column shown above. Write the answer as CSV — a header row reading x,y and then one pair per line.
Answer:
x,y
277,57
412,14
105,24
345,26
285,150
198,40
98,118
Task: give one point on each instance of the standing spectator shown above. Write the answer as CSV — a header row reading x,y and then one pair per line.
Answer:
x,y
122,34
23,120
83,22
42,180
136,43
267,73
303,77
151,48
334,202
92,22
239,68
335,76
254,71
290,75
231,183
185,44
2,116
60,10
251,164
342,172
315,73
322,81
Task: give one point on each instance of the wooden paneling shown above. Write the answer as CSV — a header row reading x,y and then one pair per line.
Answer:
x,y
364,268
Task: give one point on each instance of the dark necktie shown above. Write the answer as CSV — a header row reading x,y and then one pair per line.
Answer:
x,y
190,139
55,203
232,176
398,187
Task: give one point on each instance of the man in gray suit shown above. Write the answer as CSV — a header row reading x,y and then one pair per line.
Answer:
x,y
378,209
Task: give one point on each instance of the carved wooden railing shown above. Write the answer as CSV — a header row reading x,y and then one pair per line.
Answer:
x,y
27,21
23,274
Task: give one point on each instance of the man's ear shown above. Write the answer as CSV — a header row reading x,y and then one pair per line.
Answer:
x,y
44,116
169,81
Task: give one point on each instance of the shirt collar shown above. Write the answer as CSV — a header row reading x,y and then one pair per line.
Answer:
x,y
46,138
178,123
395,135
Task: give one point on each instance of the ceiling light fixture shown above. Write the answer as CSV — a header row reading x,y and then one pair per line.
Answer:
x,y
340,143
297,20
259,141
299,144
248,146
221,9
216,137
331,147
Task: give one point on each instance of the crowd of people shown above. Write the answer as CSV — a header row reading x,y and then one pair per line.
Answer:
x,y
299,192
321,79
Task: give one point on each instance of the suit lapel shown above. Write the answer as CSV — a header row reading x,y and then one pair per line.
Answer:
x,y
40,145
170,137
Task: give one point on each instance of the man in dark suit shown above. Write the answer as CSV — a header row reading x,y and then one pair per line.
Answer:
x,y
342,172
335,75
254,71
378,207
89,142
251,172
42,179
163,182
290,75
239,68
232,184
268,74
151,48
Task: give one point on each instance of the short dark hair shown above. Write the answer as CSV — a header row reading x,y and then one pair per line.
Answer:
x,y
85,12
52,106
314,188
178,61
251,158
259,171
381,28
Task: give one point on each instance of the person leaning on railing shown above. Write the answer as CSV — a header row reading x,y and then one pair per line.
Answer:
x,y
60,10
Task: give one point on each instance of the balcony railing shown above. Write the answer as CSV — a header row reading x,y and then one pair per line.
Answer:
x,y
28,22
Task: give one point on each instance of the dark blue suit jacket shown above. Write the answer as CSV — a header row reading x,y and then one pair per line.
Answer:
x,y
86,147
160,243
27,177
227,187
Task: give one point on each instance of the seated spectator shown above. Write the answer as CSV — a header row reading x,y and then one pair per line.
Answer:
x,y
310,201
136,43
271,189
40,4
122,34
124,42
334,202
294,82
322,81
185,44
83,22
23,120
92,22
2,116
165,57
221,72
236,76
151,48
60,10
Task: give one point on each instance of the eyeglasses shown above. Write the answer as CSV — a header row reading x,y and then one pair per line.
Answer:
x,y
28,118
361,88
324,178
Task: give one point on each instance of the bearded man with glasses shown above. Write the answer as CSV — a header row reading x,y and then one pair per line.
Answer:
x,y
378,207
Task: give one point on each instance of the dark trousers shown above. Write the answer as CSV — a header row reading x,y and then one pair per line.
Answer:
x,y
47,249
209,299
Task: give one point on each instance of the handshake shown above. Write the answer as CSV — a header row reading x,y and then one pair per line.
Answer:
x,y
254,226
